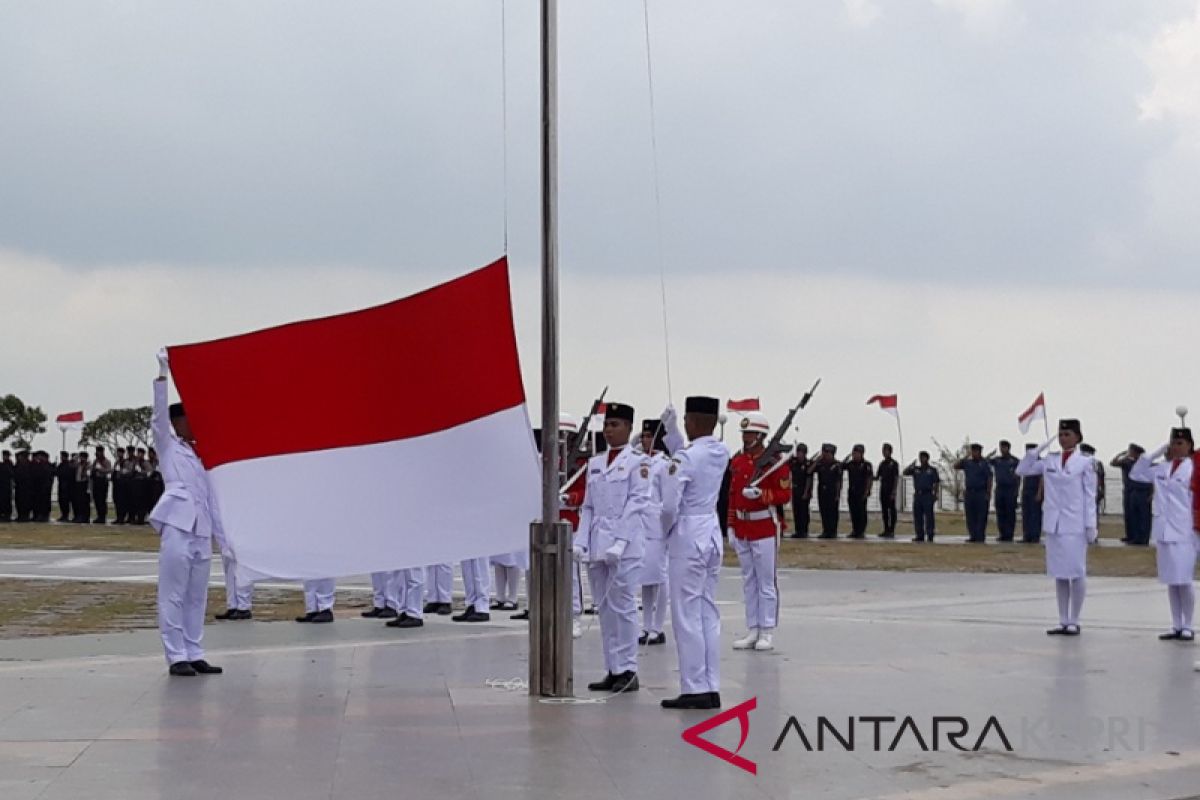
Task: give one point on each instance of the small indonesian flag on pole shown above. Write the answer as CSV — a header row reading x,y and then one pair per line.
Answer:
x,y
70,421
398,435
749,404
1035,412
886,402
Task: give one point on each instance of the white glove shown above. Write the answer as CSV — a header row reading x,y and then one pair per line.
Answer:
x,y
752,493
613,554
669,417
163,366
562,498
579,553
1092,535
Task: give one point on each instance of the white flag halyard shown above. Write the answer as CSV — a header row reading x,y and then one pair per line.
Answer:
x,y
1035,412
398,435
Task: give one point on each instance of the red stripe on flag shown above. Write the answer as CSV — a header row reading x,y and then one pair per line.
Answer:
x,y
412,367
884,400
749,404
74,416
1039,402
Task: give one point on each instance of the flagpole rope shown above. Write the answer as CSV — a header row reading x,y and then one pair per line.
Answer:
x,y
662,274
504,112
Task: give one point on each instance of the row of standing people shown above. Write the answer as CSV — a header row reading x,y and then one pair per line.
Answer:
x,y
31,483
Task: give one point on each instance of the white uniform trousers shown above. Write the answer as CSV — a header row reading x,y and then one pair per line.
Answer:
x,y
613,589
318,594
384,589
695,618
238,595
508,581
654,607
577,592
408,588
477,583
758,581
184,566
439,583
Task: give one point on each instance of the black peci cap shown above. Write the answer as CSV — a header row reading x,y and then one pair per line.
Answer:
x,y
1183,433
650,426
1070,425
702,405
618,411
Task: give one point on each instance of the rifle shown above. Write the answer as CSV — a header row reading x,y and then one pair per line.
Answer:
x,y
577,446
776,448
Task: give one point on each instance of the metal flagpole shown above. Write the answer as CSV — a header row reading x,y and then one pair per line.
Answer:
x,y
550,642
903,460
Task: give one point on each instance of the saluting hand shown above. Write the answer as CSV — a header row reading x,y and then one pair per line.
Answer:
x,y
163,365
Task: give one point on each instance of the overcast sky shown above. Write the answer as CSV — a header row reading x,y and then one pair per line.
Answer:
x,y
962,201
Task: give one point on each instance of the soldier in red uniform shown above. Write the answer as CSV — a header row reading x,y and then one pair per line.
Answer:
x,y
754,532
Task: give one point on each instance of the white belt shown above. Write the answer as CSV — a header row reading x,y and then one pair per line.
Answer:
x,y
752,516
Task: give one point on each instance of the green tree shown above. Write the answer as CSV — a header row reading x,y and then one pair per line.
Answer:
x,y
19,422
119,427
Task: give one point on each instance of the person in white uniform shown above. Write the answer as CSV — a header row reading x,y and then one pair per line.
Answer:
x,y
694,550
1068,518
318,600
652,575
439,586
409,590
478,587
1175,539
508,568
187,521
612,540
384,603
239,594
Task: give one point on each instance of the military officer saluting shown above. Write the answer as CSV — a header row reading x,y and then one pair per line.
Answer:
x,y
1031,505
926,483
613,521
827,473
977,486
1004,471
1068,518
860,476
694,550
1175,539
1136,497
801,491
754,531
888,475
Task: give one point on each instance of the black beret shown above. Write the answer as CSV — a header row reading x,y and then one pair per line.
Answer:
x,y
176,411
618,411
699,404
1070,425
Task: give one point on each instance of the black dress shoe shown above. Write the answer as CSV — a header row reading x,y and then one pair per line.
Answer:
x,y
471,615
658,638
444,609
1071,630
715,699
202,667
323,616
508,605
693,701
431,608
887,536
522,615
645,637
605,685
374,613
229,613
590,610
626,682
822,536
389,613
182,669
1186,636
244,614
1061,630
405,621
1167,637
798,536
307,617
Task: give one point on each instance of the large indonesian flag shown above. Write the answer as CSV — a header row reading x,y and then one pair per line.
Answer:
x,y
1032,414
69,421
887,402
387,438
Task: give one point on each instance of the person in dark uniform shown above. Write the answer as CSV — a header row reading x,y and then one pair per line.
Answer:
x,y
977,477
888,475
122,466
828,473
101,469
1008,486
64,474
926,482
157,485
1136,498
1031,505
43,486
860,477
801,491
6,486
81,501
139,489
23,486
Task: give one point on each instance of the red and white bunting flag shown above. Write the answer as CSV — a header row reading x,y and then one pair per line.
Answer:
x,y
749,404
396,436
70,420
1032,414
886,402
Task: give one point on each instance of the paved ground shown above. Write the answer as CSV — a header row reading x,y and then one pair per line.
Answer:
x,y
354,711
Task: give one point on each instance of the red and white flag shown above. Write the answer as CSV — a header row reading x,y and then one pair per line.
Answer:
x,y
749,404
886,402
392,437
1032,414
70,421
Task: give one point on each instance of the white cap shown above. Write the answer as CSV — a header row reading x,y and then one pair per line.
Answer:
x,y
755,422
567,423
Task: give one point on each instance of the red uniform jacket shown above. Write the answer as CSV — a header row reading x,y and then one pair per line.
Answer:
x,y
574,493
756,522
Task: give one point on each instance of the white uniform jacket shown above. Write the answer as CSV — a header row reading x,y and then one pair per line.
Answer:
x,y
690,491
618,504
187,502
1070,491
659,462
1172,496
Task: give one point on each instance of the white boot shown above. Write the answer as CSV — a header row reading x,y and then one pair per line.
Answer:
x,y
765,641
576,629
747,642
